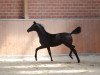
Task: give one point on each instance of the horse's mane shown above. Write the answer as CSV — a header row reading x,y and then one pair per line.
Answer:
x,y
42,29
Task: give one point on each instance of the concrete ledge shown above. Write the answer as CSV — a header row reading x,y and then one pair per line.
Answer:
x,y
50,19
14,39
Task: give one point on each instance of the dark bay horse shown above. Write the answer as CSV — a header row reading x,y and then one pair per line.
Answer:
x,y
48,40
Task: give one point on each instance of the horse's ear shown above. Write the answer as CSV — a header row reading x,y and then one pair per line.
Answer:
x,y
34,22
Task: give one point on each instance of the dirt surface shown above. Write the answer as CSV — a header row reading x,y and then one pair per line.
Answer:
x,y
62,65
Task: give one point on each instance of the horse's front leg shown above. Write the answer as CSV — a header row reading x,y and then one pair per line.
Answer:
x,y
49,51
36,51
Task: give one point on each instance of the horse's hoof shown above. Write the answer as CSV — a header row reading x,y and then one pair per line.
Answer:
x,y
51,60
79,61
36,59
71,57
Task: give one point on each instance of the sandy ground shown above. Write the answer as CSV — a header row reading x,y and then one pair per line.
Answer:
x,y
62,65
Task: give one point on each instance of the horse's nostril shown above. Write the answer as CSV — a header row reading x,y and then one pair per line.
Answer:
x,y
27,30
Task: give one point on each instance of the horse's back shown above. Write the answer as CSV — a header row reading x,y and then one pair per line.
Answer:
x,y
66,37
60,38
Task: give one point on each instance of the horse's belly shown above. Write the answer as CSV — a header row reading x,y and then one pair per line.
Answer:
x,y
53,44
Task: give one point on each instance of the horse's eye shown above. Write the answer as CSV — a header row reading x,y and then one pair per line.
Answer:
x,y
35,27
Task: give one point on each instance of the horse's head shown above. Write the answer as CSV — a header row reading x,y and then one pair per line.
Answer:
x,y
34,27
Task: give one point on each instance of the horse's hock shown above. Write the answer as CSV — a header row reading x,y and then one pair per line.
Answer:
x,y
14,39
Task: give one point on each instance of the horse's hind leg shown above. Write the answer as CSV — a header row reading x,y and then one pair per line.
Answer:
x,y
49,51
73,50
70,54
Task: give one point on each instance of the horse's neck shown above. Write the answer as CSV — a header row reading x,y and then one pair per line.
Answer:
x,y
41,34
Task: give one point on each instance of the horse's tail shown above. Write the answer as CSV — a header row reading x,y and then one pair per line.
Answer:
x,y
76,31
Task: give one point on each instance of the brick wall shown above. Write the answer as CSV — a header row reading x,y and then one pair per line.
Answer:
x,y
64,8
50,8
11,9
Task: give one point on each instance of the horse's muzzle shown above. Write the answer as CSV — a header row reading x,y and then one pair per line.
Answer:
x,y
28,31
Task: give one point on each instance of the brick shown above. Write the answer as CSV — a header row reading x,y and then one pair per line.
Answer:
x,y
67,6
58,8
11,6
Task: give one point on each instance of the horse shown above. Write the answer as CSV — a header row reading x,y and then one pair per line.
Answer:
x,y
48,40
